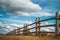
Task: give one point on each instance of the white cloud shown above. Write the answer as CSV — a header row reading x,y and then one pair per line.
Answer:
x,y
10,27
4,31
48,29
23,13
35,14
39,14
12,6
23,8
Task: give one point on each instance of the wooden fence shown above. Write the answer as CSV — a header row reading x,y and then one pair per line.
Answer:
x,y
37,23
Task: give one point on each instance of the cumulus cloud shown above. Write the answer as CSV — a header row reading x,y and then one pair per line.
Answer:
x,y
35,14
4,31
48,29
23,14
10,27
13,6
22,8
39,14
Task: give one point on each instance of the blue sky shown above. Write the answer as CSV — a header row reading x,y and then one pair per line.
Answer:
x,y
14,13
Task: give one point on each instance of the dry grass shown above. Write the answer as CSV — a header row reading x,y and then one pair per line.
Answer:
x,y
11,37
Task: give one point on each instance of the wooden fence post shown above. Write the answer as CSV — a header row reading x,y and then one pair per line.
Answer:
x,y
12,33
25,29
18,31
37,26
15,33
57,25
59,20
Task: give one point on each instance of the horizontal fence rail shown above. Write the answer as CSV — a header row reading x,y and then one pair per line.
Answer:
x,y
37,27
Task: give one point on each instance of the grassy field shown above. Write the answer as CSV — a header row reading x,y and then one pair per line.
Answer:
x,y
12,37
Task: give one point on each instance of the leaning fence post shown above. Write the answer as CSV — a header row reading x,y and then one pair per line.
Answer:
x,y
37,26
57,25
